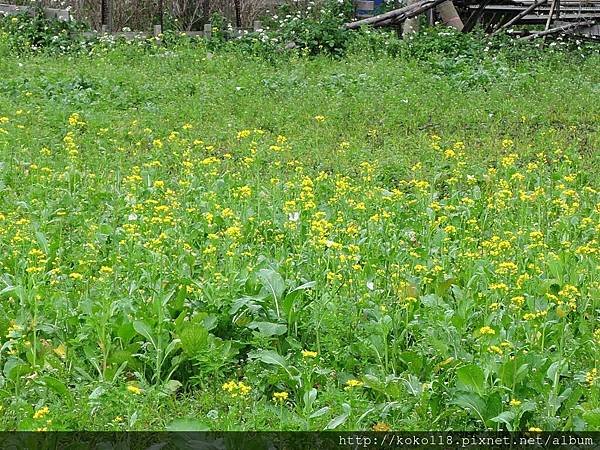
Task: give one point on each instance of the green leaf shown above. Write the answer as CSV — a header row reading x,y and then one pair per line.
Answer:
x,y
289,301
506,418
10,289
319,412
14,368
471,378
42,241
273,283
471,402
96,393
187,424
270,357
413,385
194,338
592,419
339,420
309,398
172,386
512,371
269,328
144,329
57,386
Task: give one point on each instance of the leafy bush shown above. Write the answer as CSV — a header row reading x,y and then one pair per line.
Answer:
x,y
311,30
25,33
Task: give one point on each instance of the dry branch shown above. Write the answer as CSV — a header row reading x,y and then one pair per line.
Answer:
x,y
562,28
397,15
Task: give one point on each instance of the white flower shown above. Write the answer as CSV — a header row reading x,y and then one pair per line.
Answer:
x,y
294,216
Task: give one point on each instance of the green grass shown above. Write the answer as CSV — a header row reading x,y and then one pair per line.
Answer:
x,y
173,220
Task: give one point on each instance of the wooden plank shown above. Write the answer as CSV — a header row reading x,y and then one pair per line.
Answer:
x,y
520,15
474,18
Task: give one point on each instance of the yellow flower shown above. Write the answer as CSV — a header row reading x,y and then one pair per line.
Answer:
x,y
134,389
41,412
308,354
320,118
591,376
535,429
106,269
236,389
495,349
280,396
229,386
244,388
515,402
75,276
486,330
353,383
61,351
381,426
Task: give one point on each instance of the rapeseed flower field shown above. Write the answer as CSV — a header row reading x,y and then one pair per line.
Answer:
x,y
328,244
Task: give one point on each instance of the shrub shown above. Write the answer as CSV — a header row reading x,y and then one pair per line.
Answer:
x,y
26,33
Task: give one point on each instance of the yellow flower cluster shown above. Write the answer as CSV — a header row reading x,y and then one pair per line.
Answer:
x,y
236,388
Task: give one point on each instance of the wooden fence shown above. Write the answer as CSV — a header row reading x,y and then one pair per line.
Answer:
x,y
63,14
206,33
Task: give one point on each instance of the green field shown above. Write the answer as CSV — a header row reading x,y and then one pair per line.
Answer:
x,y
213,240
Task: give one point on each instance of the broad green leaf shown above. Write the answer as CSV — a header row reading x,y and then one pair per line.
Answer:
x,y
270,357
14,368
309,398
269,328
144,329
273,283
96,393
172,386
471,378
187,424
42,241
506,418
194,338
471,402
512,371
339,420
57,386
319,412
290,298
413,385
592,419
